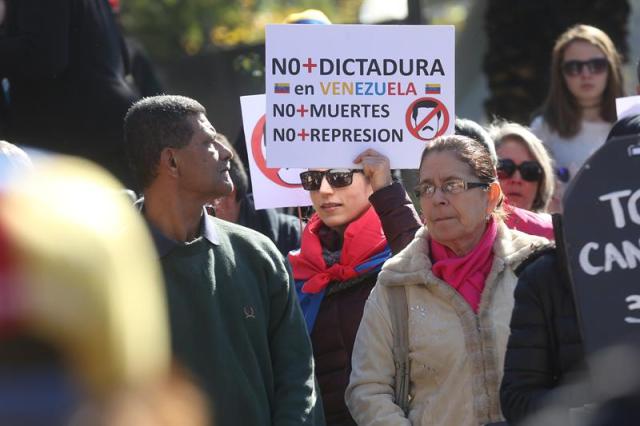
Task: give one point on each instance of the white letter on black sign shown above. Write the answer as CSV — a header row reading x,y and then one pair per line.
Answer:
x,y
616,206
612,254
633,207
584,259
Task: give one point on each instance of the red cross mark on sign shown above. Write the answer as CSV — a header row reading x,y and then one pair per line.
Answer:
x,y
303,134
309,65
302,110
427,118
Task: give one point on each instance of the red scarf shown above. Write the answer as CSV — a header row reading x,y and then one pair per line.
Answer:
x,y
466,274
362,239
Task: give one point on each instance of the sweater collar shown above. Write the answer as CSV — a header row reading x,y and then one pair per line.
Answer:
x,y
164,244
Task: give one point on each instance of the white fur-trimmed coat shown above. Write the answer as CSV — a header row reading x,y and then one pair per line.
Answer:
x,y
456,356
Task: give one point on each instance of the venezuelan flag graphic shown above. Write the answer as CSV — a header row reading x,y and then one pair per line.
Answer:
x,y
432,89
281,88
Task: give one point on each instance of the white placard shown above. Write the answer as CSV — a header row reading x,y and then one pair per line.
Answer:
x,y
272,187
627,106
335,90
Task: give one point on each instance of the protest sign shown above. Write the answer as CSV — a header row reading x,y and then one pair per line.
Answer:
x,y
335,90
602,237
272,187
627,106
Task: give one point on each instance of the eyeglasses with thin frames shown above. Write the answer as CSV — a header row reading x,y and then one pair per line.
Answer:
x,y
453,186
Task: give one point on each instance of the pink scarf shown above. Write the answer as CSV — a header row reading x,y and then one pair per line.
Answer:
x,y
466,274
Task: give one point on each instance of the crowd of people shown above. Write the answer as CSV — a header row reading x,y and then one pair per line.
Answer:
x,y
455,310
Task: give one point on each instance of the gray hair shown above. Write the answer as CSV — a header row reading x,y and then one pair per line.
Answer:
x,y
502,130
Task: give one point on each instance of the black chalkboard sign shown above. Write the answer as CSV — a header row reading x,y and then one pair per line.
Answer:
x,y
601,226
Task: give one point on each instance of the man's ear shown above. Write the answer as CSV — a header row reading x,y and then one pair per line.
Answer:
x,y
168,161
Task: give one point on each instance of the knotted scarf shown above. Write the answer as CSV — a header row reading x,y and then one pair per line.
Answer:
x,y
364,249
466,274
363,238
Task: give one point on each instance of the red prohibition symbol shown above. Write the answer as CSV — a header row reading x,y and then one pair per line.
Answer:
x,y
427,118
258,156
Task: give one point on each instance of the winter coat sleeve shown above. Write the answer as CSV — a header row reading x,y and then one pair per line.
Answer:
x,y
370,393
529,360
297,401
37,45
399,218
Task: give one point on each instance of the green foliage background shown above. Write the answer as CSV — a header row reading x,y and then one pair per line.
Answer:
x,y
170,28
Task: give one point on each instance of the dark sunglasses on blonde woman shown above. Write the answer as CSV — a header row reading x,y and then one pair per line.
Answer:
x,y
530,171
338,178
594,66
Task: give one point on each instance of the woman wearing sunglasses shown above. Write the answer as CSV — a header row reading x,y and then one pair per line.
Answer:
x,y
458,277
343,248
525,169
580,108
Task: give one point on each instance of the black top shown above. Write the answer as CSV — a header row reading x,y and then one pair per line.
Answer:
x,y
545,346
66,63
625,126
283,229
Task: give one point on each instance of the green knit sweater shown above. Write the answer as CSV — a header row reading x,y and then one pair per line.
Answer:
x,y
237,326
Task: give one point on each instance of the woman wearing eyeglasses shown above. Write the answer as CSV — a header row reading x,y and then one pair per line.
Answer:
x,y
343,248
525,169
458,277
580,108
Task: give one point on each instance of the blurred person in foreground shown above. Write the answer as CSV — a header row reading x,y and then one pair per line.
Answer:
x,y
238,207
83,323
525,169
458,277
235,321
14,162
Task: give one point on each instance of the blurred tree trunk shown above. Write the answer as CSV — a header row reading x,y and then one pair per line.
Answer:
x,y
414,16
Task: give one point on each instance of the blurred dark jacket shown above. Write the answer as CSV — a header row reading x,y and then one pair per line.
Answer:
x,y
283,229
545,348
66,63
625,127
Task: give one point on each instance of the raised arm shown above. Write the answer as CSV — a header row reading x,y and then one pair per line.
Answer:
x,y
399,218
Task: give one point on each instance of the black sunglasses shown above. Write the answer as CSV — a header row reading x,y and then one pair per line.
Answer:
x,y
594,66
338,178
530,171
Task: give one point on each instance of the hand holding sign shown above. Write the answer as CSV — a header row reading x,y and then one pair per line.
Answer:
x,y
375,167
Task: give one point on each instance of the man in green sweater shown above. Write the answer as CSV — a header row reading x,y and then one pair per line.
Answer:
x,y
235,321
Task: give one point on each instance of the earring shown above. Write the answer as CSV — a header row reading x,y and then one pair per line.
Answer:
x,y
487,217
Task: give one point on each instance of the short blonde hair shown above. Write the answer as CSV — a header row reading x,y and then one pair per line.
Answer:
x,y
502,130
